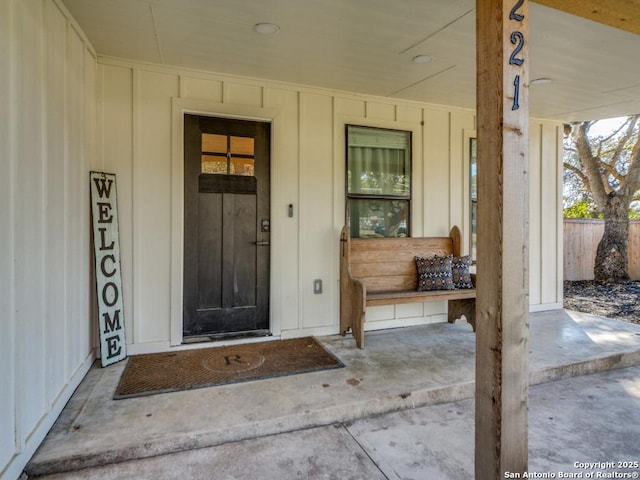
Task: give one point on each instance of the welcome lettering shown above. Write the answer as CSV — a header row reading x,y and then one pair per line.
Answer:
x,y
107,262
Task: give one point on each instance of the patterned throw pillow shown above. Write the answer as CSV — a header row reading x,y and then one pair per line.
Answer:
x,y
435,273
460,272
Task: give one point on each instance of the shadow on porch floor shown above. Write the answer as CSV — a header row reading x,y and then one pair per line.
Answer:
x,y
399,369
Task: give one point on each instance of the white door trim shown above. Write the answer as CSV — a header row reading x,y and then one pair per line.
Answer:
x,y
180,106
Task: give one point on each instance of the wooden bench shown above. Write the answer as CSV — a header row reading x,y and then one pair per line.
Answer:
x,y
382,271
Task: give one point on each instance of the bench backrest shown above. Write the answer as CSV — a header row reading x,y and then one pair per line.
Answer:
x,y
388,264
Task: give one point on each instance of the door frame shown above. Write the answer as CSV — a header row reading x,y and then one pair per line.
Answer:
x,y
206,108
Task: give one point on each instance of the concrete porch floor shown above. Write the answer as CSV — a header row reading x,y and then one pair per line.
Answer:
x,y
361,421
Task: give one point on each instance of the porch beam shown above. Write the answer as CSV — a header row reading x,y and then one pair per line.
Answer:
x,y
622,14
502,305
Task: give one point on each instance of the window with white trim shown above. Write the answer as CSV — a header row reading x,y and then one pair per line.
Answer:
x,y
473,197
378,182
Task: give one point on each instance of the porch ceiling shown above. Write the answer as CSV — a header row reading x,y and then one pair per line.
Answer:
x,y
623,14
366,46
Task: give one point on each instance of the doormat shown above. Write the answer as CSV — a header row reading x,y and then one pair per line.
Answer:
x,y
188,369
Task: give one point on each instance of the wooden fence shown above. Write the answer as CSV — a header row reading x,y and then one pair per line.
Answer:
x,y
581,238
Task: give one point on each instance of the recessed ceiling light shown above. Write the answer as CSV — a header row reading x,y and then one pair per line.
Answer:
x,y
266,28
540,81
422,59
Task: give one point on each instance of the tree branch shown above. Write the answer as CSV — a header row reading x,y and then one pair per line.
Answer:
x,y
631,184
597,185
579,173
610,169
618,130
625,138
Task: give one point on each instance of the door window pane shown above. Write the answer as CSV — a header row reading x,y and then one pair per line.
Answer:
x,y
213,143
214,164
242,166
242,146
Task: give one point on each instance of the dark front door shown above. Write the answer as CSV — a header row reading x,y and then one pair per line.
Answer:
x,y
226,227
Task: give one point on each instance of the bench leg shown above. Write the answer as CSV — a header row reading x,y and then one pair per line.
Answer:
x,y
345,320
466,307
358,331
352,312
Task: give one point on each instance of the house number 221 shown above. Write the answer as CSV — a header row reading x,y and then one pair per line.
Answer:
x,y
517,40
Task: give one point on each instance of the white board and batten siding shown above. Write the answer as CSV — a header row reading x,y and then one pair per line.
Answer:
x,y
141,107
47,145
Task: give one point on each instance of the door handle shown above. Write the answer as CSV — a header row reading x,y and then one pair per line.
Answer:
x,y
263,243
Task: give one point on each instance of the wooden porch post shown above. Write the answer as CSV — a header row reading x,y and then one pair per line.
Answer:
x,y
503,238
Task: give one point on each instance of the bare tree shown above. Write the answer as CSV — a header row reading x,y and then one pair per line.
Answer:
x,y
609,169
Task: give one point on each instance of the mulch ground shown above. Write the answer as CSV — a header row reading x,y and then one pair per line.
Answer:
x,y
613,300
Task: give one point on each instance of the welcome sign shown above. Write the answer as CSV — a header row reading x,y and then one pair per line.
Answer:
x,y
106,245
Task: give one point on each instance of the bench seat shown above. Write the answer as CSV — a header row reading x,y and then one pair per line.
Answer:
x,y
386,298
